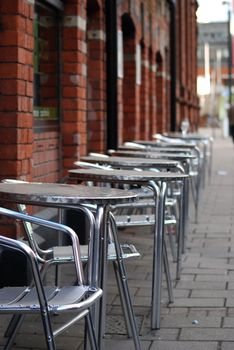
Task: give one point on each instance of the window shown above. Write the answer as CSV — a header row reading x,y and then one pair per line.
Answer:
x,y
46,68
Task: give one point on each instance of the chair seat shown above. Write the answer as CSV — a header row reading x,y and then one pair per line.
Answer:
x,y
26,298
64,253
9,294
141,220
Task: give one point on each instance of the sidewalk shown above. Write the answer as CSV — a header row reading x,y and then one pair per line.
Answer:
x,y
202,316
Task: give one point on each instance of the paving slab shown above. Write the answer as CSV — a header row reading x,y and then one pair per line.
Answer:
x,y
226,346
198,302
170,321
184,345
208,334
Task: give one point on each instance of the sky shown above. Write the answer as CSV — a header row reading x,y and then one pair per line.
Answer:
x,y
212,11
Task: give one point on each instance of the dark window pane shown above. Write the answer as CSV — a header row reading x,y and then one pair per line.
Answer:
x,y
46,79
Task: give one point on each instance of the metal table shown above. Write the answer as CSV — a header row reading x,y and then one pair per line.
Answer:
x,y
178,154
162,144
188,136
146,164
157,181
197,138
130,163
154,147
73,196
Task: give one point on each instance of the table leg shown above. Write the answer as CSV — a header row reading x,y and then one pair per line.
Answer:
x,y
160,195
204,164
102,227
96,272
210,159
184,209
182,223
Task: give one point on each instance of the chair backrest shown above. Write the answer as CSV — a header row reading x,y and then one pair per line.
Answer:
x,y
166,139
63,239
54,226
17,293
95,154
28,226
134,145
87,165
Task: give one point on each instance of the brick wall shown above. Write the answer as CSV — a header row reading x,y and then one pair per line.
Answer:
x,y
187,101
46,159
16,89
143,105
16,92
83,103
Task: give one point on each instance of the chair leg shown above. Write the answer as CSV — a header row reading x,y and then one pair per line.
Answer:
x,y
11,326
171,237
91,332
12,329
129,314
195,189
49,337
124,283
122,298
167,273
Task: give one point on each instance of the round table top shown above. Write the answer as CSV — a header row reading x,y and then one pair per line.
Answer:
x,y
182,144
188,136
124,176
154,154
156,148
132,162
53,194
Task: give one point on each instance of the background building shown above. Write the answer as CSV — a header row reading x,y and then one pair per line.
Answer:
x,y
80,76
214,69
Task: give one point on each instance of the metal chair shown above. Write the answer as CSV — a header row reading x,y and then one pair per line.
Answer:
x,y
36,298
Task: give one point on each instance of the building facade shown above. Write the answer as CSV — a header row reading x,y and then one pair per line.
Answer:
x,y
215,65
85,75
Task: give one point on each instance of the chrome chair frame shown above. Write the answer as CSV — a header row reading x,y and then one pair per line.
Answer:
x,y
38,299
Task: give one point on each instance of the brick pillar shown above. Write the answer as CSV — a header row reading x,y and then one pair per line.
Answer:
x,y
96,68
74,77
194,66
152,98
120,111
16,91
131,93
167,124
161,96
144,96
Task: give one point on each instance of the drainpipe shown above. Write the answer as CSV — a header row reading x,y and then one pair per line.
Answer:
x,y
172,4
111,76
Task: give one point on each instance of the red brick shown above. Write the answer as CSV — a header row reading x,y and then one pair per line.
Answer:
x,y
72,68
